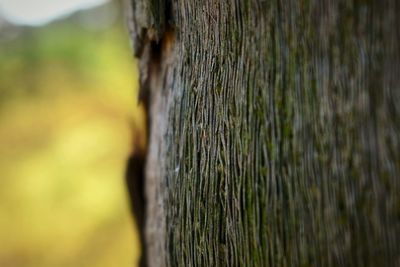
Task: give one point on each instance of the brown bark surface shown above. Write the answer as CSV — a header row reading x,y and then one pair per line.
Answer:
x,y
274,131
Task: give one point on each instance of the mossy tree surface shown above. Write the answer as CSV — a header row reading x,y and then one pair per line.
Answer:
x,y
274,131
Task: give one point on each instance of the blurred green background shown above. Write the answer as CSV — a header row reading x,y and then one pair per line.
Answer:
x,y
67,110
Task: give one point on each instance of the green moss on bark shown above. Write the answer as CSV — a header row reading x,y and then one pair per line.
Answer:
x,y
282,140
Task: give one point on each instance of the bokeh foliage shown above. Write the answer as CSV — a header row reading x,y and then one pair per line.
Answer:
x,y
66,103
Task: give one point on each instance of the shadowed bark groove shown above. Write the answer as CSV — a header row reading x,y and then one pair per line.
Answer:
x,y
274,131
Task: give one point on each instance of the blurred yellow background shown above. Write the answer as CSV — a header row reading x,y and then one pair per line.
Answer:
x,y
67,107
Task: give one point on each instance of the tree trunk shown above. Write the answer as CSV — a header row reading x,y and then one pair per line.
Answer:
x,y
274,131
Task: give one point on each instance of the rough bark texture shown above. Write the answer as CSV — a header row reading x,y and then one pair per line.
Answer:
x,y
274,131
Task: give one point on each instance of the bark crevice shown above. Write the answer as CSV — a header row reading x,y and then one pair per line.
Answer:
x,y
274,134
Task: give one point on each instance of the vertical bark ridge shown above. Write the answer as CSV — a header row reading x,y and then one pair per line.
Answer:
x,y
274,137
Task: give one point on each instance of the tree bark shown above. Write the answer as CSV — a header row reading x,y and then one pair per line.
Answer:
x,y
274,131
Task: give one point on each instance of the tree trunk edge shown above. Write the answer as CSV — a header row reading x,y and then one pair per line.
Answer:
x,y
311,176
